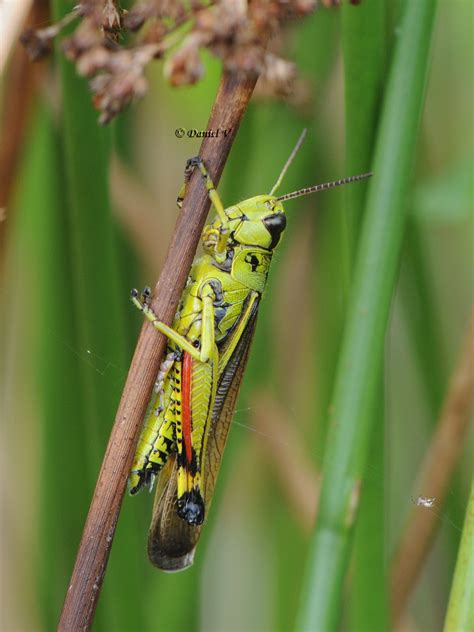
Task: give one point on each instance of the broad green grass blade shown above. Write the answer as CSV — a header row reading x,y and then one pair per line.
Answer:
x,y
99,299
365,48
460,615
41,248
368,607
360,361
97,296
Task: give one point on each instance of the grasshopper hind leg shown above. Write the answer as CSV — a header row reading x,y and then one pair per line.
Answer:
x,y
158,438
145,475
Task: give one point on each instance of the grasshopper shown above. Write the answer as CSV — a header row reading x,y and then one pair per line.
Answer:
x,y
187,424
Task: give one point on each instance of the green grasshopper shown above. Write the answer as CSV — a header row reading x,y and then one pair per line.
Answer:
x,y
186,428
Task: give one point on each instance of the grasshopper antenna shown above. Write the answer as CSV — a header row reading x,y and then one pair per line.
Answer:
x,y
322,187
299,142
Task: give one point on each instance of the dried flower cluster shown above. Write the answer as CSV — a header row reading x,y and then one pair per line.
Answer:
x,y
236,31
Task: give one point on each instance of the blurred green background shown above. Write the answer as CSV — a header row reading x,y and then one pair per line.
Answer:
x,y
90,215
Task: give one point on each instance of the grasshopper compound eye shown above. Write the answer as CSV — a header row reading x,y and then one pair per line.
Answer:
x,y
275,224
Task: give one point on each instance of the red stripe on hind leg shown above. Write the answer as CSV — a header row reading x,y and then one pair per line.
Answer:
x,y
186,404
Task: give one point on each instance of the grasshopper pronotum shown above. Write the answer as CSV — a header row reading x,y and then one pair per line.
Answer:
x,y
185,431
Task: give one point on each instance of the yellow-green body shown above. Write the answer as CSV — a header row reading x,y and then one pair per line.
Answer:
x,y
196,389
229,297
217,306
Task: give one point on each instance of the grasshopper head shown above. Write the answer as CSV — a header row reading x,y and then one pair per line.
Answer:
x,y
258,221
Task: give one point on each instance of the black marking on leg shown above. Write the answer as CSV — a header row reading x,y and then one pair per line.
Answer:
x,y
141,482
191,507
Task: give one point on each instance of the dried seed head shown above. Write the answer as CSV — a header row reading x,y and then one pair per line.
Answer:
x,y
279,75
185,66
235,31
38,43
122,81
111,19
85,38
138,14
37,46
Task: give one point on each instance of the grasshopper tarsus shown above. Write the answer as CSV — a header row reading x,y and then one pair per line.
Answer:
x,y
193,162
141,300
146,295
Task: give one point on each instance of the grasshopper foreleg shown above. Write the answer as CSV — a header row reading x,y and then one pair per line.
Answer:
x,y
170,333
201,354
191,164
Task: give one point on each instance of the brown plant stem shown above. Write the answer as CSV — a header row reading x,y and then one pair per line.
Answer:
x,y
91,561
442,457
